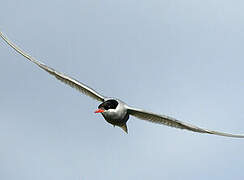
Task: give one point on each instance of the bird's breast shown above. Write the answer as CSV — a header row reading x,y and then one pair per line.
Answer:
x,y
116,117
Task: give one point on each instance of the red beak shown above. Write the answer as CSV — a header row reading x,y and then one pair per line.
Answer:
x,y
99,111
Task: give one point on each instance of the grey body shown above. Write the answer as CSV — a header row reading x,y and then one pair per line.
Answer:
x,y
117,116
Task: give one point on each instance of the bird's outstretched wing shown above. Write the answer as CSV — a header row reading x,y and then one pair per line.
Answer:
x,y
169,121
60,76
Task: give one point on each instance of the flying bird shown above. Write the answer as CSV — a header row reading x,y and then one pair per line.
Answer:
x,y
115,111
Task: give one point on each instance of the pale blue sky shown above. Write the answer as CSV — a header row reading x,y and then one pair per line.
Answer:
x,y
179,58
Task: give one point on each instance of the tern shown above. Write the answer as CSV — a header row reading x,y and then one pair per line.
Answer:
x,y
115,111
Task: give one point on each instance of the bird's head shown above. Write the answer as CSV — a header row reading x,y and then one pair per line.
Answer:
x,y
107,105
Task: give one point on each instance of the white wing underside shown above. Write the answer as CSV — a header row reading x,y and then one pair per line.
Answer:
x,y
169,121
60,76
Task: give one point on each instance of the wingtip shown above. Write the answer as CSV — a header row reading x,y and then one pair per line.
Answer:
x,y
225,134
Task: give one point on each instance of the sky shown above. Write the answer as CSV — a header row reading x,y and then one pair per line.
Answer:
x,y
179,58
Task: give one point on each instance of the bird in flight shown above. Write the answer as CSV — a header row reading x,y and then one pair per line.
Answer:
x,y
115,111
